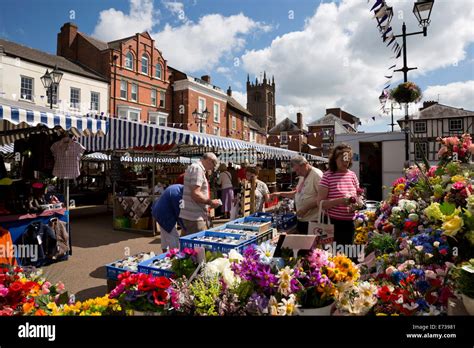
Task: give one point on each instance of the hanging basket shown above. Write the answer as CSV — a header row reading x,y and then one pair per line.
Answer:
x,y
406,92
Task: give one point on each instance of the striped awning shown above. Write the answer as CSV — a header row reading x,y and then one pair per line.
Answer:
x,y
102,157
24,118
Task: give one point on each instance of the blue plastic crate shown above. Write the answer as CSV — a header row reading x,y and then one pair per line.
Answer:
x,y
236,224
113,272
145,267
262,215
190,241
287,221
263,237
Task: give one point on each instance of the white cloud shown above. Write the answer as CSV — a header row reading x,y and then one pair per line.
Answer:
x,y
200,46
338,58
457,94
177,9
114,24
241,97
223,70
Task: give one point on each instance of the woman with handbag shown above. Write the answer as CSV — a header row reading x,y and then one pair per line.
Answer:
x,y
337,191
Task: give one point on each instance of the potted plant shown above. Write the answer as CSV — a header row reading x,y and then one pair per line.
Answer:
x,y
319,275
464,275
406,92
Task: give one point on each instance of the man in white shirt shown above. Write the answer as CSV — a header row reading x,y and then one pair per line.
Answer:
x,y
306,192
196,195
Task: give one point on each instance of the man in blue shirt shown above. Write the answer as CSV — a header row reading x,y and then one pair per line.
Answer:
x,y
166,210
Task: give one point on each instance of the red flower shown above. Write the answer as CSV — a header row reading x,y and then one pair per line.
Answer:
x,y
435,282
443,252
16,287
124,275
384,293
145,285
410,226
160,297
162,282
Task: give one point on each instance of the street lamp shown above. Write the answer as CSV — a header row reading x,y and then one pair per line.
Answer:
x,y
51,80
422,11
199,117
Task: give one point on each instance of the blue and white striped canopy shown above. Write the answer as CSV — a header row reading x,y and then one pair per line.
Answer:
x,y
139,159
84,125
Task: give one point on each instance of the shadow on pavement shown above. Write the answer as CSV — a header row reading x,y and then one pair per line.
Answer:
x,y
97,291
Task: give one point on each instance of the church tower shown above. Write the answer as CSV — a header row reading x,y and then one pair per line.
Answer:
x,y
261,101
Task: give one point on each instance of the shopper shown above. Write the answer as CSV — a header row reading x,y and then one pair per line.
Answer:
x,y
305,194
241,173
337,187
165,211
227,189
196,195
262,194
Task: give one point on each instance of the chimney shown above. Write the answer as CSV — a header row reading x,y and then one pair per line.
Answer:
x,y
206,78
66,37
299,120
429,103
229,91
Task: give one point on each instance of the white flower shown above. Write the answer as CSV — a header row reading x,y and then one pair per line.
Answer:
x,y
428,255
235,256
288,306
433,311
265,251
419,247
410,307
367,289
221,266
436,244
229,277
429,274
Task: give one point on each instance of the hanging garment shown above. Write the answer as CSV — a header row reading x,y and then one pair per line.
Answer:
x,y
62,237
67,157
7,256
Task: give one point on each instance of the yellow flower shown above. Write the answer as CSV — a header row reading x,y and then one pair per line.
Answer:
x,y
452,225
457,178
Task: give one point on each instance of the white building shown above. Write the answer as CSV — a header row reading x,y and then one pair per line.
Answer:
x,y
432,121
80,91
378,160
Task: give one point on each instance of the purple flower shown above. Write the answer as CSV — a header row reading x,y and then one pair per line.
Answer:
x,y
117,291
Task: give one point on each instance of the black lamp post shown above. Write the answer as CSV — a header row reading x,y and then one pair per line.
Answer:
x,y
422,11
51,80
200,117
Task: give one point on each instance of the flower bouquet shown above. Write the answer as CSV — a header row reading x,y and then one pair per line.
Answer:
x,y
143,293
406,92
456,149
25,292
183,263
356,298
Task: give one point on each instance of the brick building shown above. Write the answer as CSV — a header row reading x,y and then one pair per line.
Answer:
x,y
136,70
227,118
288,134
321,132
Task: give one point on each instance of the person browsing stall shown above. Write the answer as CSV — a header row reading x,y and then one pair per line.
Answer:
x,y
165,211
227,189
305,194
262,194
196,195
337,188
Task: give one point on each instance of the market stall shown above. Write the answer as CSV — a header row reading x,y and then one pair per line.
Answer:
x,y
34,191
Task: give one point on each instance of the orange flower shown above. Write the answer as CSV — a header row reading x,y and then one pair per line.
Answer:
x,y
28,306
40,313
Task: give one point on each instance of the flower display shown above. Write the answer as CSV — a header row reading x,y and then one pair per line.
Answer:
x,y
406,92
456,149
356,298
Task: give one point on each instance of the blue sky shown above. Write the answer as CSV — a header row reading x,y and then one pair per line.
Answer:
x,y
289,39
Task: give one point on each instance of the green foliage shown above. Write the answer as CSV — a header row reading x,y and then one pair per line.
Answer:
x,y
464,276
183,267
382,243
205,292
447,208
244,290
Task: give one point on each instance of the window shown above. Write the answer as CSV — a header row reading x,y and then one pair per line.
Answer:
x,y
153,97
162,120
202,127
134,95
283,137
252,136
55,95
421,151
129,113
75,99
129,61
234,122
245,121
145,64
217,112
420,126
217,131
201,104
455,124
326,150
162,99
158,71
123,89
26,90
95,101
133,116
327,132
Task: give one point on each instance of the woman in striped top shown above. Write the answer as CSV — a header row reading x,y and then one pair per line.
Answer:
x,y
337,188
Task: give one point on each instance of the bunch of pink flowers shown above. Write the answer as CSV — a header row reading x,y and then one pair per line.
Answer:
x,y
456,148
